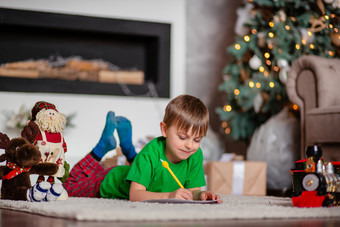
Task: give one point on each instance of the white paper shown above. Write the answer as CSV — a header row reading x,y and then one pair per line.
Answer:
x,y
172,200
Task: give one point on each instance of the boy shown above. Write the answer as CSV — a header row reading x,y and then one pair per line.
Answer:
x,y
184,125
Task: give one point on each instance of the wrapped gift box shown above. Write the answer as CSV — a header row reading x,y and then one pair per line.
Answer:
x,y
237,177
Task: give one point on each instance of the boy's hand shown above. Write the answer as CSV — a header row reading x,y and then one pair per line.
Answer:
x,y
206,195
181,193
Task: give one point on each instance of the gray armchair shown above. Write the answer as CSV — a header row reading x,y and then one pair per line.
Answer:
x,y
313,84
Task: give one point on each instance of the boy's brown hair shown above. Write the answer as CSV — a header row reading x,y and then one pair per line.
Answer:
x,y
185,111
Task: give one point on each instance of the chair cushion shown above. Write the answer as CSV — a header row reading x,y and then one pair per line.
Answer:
x,y
323,125
328,81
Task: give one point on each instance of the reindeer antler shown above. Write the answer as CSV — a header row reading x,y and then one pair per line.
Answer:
x,y
5,142
30,132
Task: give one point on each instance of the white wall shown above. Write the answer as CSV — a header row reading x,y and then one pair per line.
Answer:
x,y
144,113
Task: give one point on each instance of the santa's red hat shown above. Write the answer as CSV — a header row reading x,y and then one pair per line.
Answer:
x,y
41,105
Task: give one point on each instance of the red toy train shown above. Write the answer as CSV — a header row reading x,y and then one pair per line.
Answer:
x,y
315,183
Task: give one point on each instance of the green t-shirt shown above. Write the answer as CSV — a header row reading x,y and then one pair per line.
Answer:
x,y
147,170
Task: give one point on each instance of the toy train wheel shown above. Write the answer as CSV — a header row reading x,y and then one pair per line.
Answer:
x,y
328,202
310,182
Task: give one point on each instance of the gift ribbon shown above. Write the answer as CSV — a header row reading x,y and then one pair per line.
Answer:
x,y
238,177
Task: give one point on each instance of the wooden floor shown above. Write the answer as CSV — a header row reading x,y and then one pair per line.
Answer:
x,y
13,218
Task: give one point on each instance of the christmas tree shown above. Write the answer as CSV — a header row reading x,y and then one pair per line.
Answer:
x,y
270,35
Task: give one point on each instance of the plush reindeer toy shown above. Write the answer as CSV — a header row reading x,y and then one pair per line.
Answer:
x,y
22,159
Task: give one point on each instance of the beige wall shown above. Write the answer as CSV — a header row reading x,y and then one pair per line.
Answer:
x,y
210,30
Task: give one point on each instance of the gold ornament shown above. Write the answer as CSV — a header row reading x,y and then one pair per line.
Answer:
x,y
321,6
245,75
335,38
247,56
265,96
317,24
261,39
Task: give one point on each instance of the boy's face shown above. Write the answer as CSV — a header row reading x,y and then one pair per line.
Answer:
x,y
180,144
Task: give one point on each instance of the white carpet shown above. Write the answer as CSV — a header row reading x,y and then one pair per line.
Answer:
x,y
234,207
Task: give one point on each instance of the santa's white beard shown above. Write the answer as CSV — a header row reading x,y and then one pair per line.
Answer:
x,y
54,125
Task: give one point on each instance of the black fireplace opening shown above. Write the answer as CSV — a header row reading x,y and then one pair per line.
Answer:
x,y
126,45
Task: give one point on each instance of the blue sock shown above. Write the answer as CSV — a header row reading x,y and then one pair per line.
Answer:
x,y
107,141
124,130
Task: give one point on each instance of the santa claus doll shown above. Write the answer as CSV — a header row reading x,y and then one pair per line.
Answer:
x,y
45,131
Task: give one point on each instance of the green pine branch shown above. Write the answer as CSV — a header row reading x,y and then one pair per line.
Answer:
x,y
280,27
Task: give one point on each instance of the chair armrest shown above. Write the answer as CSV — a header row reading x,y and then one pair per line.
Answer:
x,y
314,82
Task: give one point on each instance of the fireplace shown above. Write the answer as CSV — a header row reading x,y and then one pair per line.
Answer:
x,y
135,49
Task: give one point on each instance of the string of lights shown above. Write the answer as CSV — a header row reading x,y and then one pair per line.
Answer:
x,y
273,36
